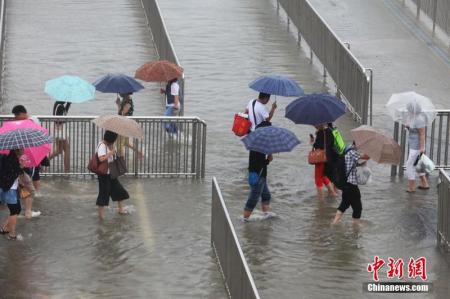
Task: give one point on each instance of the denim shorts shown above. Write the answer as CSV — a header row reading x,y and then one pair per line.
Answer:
x,y
9,197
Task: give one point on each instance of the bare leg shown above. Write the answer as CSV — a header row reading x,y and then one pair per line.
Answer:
x,y
266,208
356,222
11,226
331,190
66,149
57,151
338,217
424,181
101,212
411,186
28,202
37,185
319,193
122,209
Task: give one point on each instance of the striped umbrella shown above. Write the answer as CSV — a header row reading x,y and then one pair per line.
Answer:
x,y
23,138
119,124
270,140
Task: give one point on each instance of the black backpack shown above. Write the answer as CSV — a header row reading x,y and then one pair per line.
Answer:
x,y
339,171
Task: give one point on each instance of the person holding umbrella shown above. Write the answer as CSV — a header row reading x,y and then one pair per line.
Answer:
x,y
172,93
262,143
61,108
257,111
108,187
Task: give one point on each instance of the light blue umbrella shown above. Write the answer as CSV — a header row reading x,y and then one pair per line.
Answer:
x,y
314,109
270,140
70,89
277,85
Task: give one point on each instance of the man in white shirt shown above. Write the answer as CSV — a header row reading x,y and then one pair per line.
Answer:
x,y
172,93
260,111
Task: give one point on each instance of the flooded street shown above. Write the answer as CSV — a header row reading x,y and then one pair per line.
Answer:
x,y
162,250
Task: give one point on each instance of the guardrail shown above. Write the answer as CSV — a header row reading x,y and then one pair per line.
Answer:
x,y
2,39
162,40
353,81
233,266
437,10
437,142
443,226
169,155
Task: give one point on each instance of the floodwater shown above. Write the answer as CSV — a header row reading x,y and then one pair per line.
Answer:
x,y
162,249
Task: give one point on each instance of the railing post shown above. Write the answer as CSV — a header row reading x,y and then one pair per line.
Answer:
x,y
194,146
434,16
419,3
394,167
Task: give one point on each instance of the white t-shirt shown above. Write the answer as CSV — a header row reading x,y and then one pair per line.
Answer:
x,y
175,89
103,150
15,185
261,113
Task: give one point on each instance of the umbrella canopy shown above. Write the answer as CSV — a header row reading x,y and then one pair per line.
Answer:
x,y
70,89
158,71
378,145
34,154
270,140
314,109
411,109
119,124
23,138
117,83
277,85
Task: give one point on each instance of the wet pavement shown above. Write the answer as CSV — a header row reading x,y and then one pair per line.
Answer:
x,y
222,46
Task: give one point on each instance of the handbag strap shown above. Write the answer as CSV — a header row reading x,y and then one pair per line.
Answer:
x,y
254,115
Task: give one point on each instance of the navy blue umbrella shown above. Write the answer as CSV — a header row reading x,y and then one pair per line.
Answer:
x,y
314,109
117,83
270,140
276,85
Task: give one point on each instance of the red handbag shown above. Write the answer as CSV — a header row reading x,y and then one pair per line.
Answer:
x,y
317,156
241,125
97,167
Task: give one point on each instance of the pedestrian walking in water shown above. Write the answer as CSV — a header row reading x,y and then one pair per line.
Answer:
x,y
9,184
108,187
416,141
20,113
323,141
125,105
257,111
351,196
61,137
26,188
172,93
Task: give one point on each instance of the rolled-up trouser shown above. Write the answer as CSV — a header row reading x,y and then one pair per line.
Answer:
x,y
170,126
410,168
259,190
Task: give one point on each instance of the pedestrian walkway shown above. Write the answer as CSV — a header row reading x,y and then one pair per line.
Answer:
x,y
387,37
47,39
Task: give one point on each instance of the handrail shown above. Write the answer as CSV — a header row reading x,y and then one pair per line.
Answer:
x,y
172,146
162,41
233,266
437,10
443,223
352,79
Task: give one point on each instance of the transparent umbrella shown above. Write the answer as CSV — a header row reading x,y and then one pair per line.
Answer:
x,y
411,109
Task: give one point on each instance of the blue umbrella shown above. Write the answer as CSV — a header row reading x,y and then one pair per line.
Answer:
x,y
117,83
276,85
70,89
315,108
270,140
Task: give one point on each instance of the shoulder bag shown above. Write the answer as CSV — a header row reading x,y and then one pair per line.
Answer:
x,y
317,156
117,167
96,166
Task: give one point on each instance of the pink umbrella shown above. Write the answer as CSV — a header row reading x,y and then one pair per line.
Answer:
x,y
34,154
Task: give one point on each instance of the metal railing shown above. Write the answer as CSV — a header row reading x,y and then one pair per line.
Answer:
x,y
436,145
353,81
233,266
437,10
443,226
2,39
162,40
175,154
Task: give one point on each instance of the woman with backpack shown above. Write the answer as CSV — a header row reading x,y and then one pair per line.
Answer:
x,y
323,141
61,137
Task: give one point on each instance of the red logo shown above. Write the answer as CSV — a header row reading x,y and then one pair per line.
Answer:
x,y
416,268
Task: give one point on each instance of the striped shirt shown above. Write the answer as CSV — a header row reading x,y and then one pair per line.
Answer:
x,y
351,160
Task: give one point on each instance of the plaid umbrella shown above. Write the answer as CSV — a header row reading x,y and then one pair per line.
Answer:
x,y
158,71
23,138
270,140
119,124
378,145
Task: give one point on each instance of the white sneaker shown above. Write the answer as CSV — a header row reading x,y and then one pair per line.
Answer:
x,y
243,219
269,215
35,214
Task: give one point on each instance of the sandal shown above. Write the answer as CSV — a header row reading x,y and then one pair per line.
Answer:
x,y
409,191
12,238
423,188
3,231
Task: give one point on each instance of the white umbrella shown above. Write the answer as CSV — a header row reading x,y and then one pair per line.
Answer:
x,y
411,109
121,125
